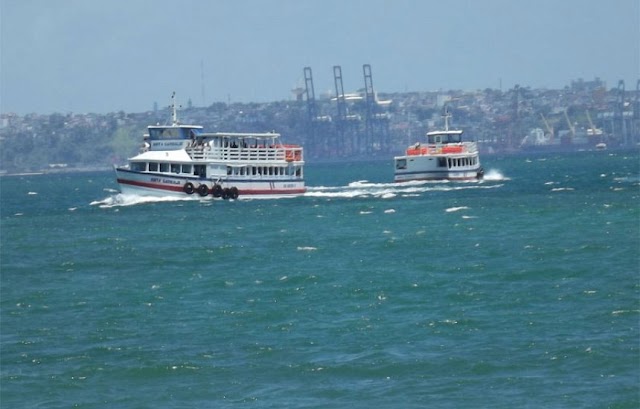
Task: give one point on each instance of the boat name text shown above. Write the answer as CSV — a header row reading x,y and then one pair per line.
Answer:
x,y
165,181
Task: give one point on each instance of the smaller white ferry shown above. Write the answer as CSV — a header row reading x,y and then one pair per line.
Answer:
x,y
444,156
183,160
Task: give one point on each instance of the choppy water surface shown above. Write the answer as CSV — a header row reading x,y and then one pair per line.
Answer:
x,y
518,291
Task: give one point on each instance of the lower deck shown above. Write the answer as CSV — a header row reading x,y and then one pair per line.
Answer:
x,y
162,184
432,167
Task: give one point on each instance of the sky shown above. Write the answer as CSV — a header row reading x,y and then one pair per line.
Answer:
x,y
101,56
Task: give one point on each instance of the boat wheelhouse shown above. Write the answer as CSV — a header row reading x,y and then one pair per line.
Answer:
x,y
444,156
184,160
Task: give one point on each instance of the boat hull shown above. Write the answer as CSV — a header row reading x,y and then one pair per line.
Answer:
x,y
410,168
161,185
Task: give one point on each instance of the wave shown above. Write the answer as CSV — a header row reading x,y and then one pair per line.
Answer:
x,y
356,189
121,200
628,179
456,209
365,189
494,175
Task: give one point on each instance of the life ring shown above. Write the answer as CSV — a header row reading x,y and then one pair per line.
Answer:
x,y
203,190
216,191
188,188
233,193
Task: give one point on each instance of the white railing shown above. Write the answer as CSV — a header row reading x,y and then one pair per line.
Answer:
x,y
251,154
431,149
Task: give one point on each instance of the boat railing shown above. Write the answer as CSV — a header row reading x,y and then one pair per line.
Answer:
x,y
289,153
438,149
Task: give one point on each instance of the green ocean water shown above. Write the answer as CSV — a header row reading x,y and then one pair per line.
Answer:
x,y
522,290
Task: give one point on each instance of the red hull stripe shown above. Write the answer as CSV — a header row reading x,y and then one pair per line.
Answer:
x,y
241,192
176,188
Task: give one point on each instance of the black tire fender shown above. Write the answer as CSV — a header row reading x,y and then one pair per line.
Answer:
x,y
203,190
216,191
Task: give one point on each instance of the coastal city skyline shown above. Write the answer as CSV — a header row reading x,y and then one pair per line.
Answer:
x,y
75,56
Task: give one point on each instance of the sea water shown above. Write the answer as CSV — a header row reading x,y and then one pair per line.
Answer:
x,y
521,290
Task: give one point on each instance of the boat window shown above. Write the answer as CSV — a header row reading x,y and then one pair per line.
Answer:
x,y
153,166
175,168
186,169
166,133
164,167
190,133
200,170
442,162
401,164
138,166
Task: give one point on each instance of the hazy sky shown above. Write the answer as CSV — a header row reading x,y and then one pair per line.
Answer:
x,y
109,55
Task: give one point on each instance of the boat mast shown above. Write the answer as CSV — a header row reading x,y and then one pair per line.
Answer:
x,y
446,116
174,112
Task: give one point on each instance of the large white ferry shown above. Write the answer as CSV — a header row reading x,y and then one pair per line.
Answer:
x,y
444,157
183,160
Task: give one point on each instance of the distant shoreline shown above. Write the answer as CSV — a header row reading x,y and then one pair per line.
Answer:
x,y
356,159
58,171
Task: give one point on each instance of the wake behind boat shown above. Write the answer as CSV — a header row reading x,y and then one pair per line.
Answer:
x,y
444,157
183,160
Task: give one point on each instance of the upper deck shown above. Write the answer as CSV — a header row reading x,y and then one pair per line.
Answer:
x,y
444,137
218,146
185,143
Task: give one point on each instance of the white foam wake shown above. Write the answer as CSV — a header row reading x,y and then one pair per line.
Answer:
x,y
120,200
494,175
364,189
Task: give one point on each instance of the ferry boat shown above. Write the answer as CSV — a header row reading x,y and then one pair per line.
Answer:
x,y
444,156
184,160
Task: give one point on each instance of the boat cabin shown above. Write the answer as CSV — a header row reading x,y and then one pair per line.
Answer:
x,y
171,137
157,133
440,138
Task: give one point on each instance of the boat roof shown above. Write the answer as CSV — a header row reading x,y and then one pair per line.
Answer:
x,y
451,132
174,126
262,135
174,156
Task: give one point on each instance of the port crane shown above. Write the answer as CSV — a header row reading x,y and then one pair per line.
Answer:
x,y
572,129
549,128
592,131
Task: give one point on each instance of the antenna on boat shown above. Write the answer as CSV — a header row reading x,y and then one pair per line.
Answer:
x,y
174,110
446,115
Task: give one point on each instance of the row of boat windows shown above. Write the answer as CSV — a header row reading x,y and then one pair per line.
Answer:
x,y
444,162
458,162
200,170
264,171
163,167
